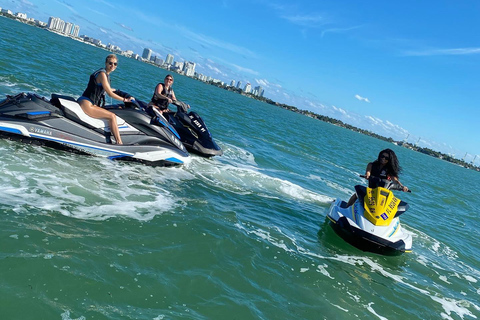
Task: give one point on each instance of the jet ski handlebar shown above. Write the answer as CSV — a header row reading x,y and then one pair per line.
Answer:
x,y
181,106
122,94
385,183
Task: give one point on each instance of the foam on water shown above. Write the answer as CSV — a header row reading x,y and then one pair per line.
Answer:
x,y
66,316
94,188
242,176
11,86
458,307
370,308
332,184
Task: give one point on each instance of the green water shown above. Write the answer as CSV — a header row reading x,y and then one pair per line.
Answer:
x,y
242,236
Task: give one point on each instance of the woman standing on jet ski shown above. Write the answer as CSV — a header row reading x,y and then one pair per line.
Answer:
x,y
98,84
385,167
164,95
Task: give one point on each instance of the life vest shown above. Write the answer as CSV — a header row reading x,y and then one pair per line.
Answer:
x,y
95,91
161,101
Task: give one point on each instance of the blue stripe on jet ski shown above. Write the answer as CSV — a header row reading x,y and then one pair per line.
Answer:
x,y
175,132
119,154
394,229
166,124
174,160
12,130
38,112
116,156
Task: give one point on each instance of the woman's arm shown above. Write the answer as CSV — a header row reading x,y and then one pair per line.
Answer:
x,y
102,78
174,98
405,189
368,171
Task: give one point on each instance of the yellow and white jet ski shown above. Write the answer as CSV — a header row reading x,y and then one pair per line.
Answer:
x,y
372,223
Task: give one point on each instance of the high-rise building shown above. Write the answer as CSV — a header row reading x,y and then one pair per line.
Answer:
x,y
178,66
53,23
61,26
158,61
189,68
169,59
67,29
258,91
239,84
248,87
76,31
147,53
232,84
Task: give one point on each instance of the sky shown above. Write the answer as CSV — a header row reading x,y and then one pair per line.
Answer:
x,y
403,69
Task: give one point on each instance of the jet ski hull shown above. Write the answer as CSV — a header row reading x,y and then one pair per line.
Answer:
x,y
33,119
350,224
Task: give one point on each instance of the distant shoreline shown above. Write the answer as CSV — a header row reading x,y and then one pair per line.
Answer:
x,y
340,123
307,113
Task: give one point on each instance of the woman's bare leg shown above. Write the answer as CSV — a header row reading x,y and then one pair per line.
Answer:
x,y
100,113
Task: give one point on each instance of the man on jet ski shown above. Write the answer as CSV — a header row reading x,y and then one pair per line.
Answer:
x,y
164,95
385,167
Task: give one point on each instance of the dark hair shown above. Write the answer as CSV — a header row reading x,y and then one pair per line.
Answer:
x,y
169,75
393,166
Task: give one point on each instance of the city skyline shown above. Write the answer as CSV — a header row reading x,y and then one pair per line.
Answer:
x,y
186,68
364,65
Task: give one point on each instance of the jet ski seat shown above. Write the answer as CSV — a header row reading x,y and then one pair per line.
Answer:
x,y
74,112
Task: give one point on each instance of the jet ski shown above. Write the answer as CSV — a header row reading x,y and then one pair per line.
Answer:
x,y
372,223
62,124
191,128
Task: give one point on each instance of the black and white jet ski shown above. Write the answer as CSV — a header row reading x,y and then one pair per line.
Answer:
x,y
191,128
372,223
62,124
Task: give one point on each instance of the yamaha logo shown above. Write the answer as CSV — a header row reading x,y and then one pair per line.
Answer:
x,y
41,131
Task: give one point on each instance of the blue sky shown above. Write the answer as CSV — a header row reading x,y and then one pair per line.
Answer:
x,y
400,69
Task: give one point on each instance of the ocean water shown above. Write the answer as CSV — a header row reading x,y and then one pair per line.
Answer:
x,y
241,236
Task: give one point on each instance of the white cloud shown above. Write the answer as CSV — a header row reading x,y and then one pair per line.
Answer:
x,y
106,3
124,26
362,98
209,41
443,52
339,30
266,84
68,6
100,13
216,70
244,70
340,110
311,21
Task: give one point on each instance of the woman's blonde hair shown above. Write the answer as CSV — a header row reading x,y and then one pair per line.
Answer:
x,y
111,56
